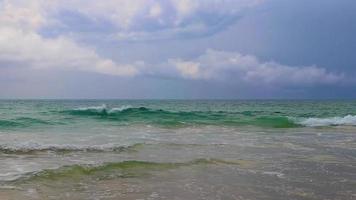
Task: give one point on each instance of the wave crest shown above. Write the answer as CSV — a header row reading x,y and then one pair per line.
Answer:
x,y
183,118
348,120
167,118
99,110
56,148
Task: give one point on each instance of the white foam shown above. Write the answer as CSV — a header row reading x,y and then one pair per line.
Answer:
x,y
96,108
104,108
349,120
26,147
120,109
278,174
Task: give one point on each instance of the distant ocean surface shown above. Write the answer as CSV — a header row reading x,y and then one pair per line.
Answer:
x,y
177,149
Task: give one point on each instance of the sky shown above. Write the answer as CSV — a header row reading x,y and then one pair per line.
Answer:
x,y
178,49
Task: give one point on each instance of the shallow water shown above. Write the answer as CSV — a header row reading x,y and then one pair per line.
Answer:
x,y
177,149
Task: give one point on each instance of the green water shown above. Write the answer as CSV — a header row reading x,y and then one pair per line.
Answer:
x,y
170,149
275,114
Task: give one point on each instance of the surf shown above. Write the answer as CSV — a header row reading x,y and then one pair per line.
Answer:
x,y
348,120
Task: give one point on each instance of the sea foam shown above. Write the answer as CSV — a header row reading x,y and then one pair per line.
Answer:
x,y
103,109
31,147
349,120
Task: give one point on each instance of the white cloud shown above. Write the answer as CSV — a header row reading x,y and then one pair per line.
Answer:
x,y
235,67
188,69
20,47
21,44
155,10
21,22
21,14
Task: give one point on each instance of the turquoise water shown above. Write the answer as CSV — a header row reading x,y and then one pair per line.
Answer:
x,y
274,114
218,149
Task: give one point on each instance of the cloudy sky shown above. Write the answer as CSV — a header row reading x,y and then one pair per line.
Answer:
x,y
177,49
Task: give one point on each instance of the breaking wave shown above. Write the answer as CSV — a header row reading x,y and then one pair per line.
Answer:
x,y
182,118
349,120
98,110
126,115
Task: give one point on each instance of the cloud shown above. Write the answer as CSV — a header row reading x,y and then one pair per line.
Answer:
x,y
130,14
235,67
22,45
19,47
21,15
188,69
23,21
131,20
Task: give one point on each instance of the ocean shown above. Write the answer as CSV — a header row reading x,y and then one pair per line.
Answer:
x,y
177,149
